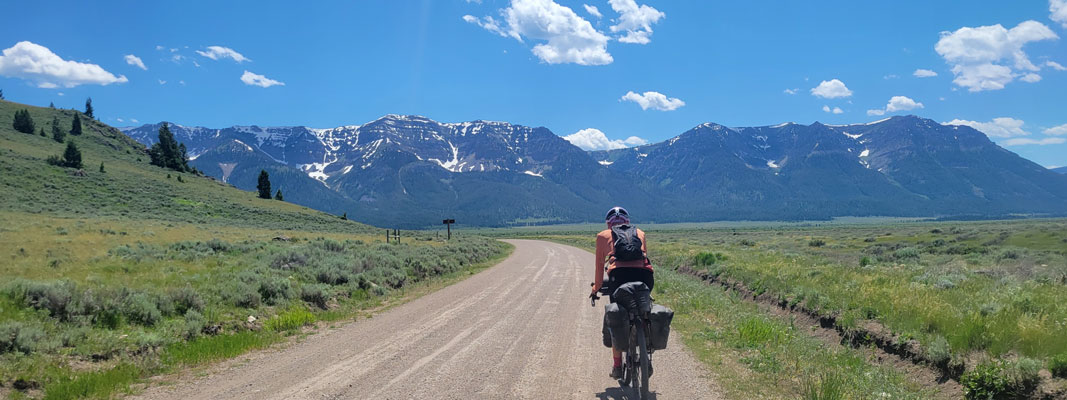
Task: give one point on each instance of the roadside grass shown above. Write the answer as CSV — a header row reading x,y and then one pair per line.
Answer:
x,y
961,293
83,298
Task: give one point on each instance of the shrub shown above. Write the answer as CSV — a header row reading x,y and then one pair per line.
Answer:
x,y
1001,379
290,260
317,294
244,295
1057,365
141,308
747,243
275,290
816,243
186,299
708,258
16,337
906,253
938,351
865,261
194,324
56,297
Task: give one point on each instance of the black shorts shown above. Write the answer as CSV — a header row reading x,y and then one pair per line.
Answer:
x,y
618,276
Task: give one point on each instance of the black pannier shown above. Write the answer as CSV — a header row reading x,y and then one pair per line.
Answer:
x,y
617,326
660,317
633,296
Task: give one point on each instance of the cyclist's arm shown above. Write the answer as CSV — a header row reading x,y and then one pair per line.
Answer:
x,y
602,245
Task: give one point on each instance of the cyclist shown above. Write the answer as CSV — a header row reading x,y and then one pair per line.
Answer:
x,y
633,269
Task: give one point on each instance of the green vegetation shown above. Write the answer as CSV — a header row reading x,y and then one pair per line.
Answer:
x,y
167,153
110,278
23,122
264,185
72,157
948,293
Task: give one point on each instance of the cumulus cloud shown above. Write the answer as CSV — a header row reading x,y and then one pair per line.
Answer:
x,y
924,73
1055,65
253,79
876,112
1056,130
835,110
219,52
567,38
135,61
594,139
791,91
1058,10
990,57
635,21
1028,141
653,100
1031,78
592,10
902,103
831,89
1003,127
38,64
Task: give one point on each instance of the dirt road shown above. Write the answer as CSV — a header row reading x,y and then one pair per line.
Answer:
x,y
520,330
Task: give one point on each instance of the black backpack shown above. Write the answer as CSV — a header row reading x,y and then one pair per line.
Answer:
x,y
627,244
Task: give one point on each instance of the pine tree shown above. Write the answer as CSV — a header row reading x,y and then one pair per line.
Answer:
x,y
89,108
344,216
23,122
167,153
102,167
76,125
58,134
52,105
72,157
40,131
278,196
1,94
264,184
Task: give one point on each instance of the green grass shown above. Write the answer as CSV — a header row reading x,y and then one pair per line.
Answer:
x,y
290,320
97,384
214,348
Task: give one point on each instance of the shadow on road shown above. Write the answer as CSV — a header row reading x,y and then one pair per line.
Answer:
x,y
618,393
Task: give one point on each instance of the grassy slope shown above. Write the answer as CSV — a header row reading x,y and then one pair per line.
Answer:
x,y
122,249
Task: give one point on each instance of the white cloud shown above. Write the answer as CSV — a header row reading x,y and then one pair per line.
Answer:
x,y
653,100
1031,78
635,20
989,57
890,76
181,83
162,82
253,79
592,10
1003,127
1028,141
1058,10
134,121
567,37
219,52
36,63
135,61
1055,65
875,112
119,119
1056,130
159,47
902,103
835,110
791,91
831,89
924,73
594,139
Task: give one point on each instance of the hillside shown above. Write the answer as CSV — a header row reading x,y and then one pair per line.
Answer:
x,y
410,171
1062,170
130,188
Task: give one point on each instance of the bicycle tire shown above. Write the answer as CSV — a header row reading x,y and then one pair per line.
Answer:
x,y
644,363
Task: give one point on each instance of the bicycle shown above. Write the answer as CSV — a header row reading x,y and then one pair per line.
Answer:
x,y
637,361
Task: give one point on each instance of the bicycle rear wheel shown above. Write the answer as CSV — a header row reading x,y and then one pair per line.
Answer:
x,y
644,364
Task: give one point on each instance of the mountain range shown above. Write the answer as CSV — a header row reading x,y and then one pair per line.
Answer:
x,y
410,171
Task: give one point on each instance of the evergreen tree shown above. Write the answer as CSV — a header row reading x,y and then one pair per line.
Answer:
x,y
76,125
102,167
40,131
278,196
344,216
72,157
23,122
58,134
1,94
52,105
167,153
89,108
264,184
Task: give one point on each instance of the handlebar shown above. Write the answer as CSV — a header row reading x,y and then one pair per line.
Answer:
x,y
593,296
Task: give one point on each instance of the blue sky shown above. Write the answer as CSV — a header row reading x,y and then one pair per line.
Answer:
x,y
326,64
